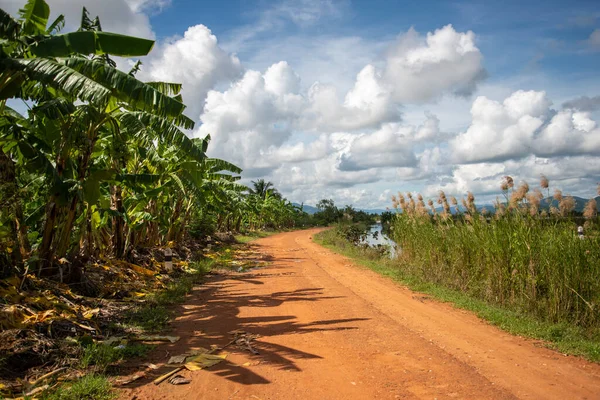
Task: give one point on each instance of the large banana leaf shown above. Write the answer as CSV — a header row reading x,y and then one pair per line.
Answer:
x,y
216,165
126,87
168,88
9,28
166,130
34,15
59,76
90,42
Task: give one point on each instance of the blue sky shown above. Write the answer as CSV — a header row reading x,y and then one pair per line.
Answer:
x,y
356,100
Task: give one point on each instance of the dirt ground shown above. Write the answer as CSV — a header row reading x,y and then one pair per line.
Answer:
x,y
332,330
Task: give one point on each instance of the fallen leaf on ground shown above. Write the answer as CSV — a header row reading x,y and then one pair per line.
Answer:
x,y
180,359
151,366
177,359
203,361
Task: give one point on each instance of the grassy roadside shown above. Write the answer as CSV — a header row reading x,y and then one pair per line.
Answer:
x,y
565,338
248,237
152,317
96,360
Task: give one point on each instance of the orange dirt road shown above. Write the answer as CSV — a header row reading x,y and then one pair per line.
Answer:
x,y
332,330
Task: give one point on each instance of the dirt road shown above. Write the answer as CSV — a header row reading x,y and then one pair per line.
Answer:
x,y
331,330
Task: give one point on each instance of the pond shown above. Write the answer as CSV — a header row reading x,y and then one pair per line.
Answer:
x,y
376,237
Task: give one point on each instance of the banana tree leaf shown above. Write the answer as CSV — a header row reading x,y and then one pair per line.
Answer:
x,y
90,42
143,179
9,28
167,132
127,88
170,89
57,25
218,165
61,77
11,82
34,15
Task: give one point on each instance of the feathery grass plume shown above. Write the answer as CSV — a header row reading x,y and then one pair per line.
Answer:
x,y
534,199
507,183
443,200
554,211
419,197
471,203
566,205
464,203
412,206
394,201
557,195
515,198
441,197
454,202
523,189
432,206
590,209
446,206
421,208
544,214
500,211
544,183
401,202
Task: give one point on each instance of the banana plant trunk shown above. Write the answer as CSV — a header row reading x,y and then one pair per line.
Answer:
x,y
118,224
173,229
9,198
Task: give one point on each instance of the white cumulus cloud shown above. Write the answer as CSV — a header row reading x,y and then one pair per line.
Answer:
x,y
419,69
196,61
523,124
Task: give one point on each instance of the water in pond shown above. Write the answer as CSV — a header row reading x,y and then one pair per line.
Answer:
x,y
376,236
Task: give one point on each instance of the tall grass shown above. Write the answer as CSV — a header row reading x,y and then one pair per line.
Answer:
x,y
520,257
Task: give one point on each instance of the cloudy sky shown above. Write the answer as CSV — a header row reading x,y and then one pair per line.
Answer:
x,y
356,100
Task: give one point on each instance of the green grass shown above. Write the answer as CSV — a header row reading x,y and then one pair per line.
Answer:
x,y
100,356
248,237
150,318
564,337
90,387
155,315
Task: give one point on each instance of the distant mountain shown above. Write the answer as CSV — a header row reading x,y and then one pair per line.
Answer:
x,y
311,210
545,204
306,208
579,203
372,210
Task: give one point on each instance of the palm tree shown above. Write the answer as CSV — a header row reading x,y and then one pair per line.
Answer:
x,y
261,188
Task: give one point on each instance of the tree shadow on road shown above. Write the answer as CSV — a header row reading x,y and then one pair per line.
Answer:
x,y
213,311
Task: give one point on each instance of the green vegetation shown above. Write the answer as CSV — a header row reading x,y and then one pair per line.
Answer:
x,y
248,237
154,316
564,337
90,387
101,356
100,166
519,257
